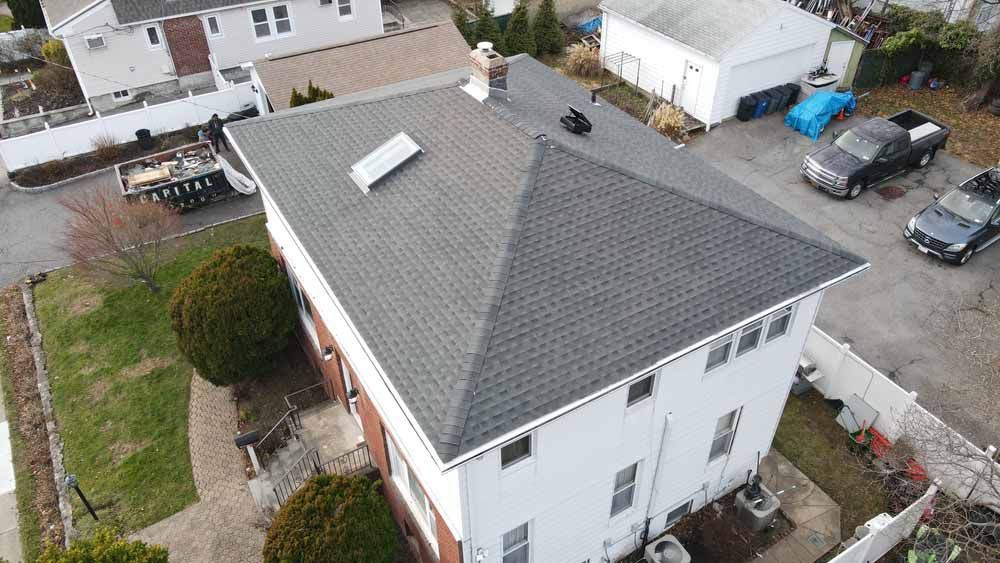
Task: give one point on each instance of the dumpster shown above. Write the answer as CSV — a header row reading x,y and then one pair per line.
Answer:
x,y
185,177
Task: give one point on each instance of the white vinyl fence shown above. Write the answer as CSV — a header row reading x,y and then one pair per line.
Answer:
x,y
955,464
884,532
55,143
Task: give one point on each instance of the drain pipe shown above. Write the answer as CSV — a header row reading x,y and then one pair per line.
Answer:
x,y
667,423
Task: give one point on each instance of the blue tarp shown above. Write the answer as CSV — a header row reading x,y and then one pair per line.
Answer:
x,y
812,115
592,26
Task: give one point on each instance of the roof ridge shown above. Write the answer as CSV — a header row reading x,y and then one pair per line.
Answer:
x,y
460,397
832,248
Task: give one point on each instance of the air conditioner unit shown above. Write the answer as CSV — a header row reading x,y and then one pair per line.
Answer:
x,y
806,366
667,549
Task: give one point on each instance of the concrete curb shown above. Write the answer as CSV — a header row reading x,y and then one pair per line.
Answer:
x,y
55,442
59,184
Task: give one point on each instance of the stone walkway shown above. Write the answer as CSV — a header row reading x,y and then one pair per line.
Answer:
x,y
815,515
225,526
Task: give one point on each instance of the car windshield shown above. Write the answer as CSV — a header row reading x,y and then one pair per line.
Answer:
x,y
857,146
972,206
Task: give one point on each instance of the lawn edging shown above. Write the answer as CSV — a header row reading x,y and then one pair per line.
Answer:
x,y
47,187
45,393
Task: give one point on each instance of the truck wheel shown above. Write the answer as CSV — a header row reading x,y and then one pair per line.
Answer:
x,y
855,191
925,159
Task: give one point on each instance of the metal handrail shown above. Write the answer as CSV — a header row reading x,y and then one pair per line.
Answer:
x,y
349,463
309,464
291,418
303,390
396,12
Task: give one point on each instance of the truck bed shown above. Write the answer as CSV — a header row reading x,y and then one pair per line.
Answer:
x,y
923,129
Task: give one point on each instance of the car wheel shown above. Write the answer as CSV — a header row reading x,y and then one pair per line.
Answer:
x,y
925,159
855,191
966,255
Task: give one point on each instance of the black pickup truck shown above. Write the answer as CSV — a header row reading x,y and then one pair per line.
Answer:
x,y
874,151
965,221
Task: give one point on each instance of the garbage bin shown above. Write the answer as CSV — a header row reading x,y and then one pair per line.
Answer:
x,y
794,89
774,99
917,79
763,100
785,94
145,139
745,110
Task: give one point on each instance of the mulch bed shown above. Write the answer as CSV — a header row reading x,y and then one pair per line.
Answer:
x,y
715,535
57,170
19,95
29,420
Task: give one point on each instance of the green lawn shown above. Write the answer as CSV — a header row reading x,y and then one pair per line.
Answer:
x,y
811,439
120,388
27,517
6,23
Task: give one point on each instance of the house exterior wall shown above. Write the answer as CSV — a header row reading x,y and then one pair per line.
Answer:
x,y
795,40
313,26
126,59
662,62
378,409
564,491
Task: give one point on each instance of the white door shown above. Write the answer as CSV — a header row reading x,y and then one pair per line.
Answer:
x,y
349,387
838,58
691,86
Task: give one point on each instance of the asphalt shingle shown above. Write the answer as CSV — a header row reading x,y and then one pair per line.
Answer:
x,y
502,274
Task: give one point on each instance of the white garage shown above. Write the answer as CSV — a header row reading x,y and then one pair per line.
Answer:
x,y
706,54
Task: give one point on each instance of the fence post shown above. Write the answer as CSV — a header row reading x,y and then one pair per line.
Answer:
x,y
194,108
52,138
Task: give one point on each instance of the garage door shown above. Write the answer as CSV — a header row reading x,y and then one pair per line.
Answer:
x,y
787,66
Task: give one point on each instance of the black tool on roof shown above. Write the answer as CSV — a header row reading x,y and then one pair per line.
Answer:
x,y
576,122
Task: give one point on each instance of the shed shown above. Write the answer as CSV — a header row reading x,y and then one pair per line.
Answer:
x,y
843,54
706,54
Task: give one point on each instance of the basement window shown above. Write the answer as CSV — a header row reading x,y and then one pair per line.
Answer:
x,y
382,161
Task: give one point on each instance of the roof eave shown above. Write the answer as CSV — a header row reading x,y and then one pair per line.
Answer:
x,y
661,34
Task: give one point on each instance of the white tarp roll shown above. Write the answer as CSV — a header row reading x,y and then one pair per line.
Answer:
x,y
238,181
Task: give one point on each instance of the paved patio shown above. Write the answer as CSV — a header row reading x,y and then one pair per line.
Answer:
x,y
815,515
424,11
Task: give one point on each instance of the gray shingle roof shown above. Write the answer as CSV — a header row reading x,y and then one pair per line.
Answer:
x,y
500,276
131,11
60,10
709,26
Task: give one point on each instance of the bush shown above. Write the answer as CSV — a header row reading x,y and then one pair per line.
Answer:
x,y
105,547
519,38
583,61
669,121
27,13
313,94
461,20
487,28
549,37
54,51
333,519
233,314
106,146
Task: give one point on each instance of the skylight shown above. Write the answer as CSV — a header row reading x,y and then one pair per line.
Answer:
x,y
383,160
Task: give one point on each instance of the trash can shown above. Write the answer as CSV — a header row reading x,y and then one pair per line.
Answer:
x,y
917,79
145,139
744,112
785,94
774,98
763,100
794,90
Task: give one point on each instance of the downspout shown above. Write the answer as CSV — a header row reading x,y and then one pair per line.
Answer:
x,y
667,423
467,516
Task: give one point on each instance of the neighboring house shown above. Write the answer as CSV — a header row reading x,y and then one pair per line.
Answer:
x,y
556,342
390,58
984,13
127,50
706,54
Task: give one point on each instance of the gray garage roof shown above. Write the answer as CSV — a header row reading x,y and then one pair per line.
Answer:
x,y
708,26
60,10
502,274
131,11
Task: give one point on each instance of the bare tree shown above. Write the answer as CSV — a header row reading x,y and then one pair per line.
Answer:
x,y
109,234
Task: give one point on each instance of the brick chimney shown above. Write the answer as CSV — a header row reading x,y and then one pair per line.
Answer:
x,y
489,73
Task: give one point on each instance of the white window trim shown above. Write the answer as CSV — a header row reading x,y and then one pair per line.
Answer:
x,y
120,99
308,322
159,35
745,329
788,311
527,541
520,462
400,472
348,17
719,343
732,435
272,26
640,400
635,489
104,42
208,28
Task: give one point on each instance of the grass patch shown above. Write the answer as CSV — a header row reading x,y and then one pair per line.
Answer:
x,y
27,518
6,23
811,439
973,133
120,387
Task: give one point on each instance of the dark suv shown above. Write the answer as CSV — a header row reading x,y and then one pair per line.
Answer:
x,y
965,221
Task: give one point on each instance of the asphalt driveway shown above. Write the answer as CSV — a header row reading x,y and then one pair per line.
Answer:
x,y
32,225
891,314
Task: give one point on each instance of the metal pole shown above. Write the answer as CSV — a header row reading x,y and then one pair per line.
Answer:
x,y
638,66
74,483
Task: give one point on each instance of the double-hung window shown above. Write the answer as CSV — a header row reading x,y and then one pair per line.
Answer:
x,y
407,483
778,324
725,429
271,21
345,8
624,493
516,545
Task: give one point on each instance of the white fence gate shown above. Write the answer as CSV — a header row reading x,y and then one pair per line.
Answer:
x,y
55,143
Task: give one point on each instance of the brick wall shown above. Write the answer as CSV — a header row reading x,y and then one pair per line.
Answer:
x,y
449,548
188,45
